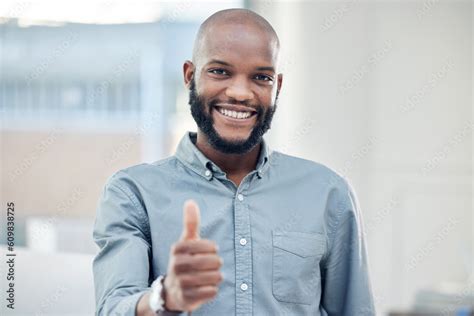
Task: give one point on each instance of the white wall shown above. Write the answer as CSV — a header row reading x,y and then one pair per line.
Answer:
x,y
382,92
53,284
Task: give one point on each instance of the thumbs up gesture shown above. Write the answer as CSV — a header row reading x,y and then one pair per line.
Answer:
x,y
191,221
193,270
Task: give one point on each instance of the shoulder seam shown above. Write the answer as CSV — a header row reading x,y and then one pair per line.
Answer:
x,y
341,206
137,205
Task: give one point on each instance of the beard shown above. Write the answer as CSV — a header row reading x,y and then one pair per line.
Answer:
x,y
201,112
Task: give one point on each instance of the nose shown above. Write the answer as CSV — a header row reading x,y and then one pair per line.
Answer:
x,y
239,90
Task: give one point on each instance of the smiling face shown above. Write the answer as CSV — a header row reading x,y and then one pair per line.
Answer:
x,y
234,85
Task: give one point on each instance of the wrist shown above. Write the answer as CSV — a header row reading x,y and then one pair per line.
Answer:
x,y
168,303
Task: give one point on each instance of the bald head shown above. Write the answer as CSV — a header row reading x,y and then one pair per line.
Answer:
x,y
231,22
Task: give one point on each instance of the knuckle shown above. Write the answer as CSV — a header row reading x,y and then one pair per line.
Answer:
x,y
174,264
212,291
216,261
175,269
186,247
188,294
185,282
176,248
177,260
194,243
181,282
208,244
180,264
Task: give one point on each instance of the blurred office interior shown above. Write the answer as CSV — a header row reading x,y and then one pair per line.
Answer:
x,y
380,91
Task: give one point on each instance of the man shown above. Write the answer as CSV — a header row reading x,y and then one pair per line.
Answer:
x,y
262,233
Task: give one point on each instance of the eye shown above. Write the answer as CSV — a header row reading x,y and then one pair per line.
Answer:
x,y
218,71
264,78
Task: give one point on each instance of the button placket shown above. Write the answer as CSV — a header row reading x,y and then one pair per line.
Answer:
x,y
243,251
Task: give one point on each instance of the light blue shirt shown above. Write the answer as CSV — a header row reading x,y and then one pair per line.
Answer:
x,y
290,235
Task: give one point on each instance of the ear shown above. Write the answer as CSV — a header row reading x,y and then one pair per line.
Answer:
x,y
279,83
188,72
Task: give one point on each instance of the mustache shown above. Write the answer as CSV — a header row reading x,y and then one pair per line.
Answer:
x,y
193,95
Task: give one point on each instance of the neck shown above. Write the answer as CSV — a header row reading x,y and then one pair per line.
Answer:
x,y
232,164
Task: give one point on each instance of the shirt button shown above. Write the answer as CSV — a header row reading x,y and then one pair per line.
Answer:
x,y
240,197
244,287
207,173
243,241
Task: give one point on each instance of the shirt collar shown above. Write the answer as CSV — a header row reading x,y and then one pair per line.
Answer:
x,y
192,157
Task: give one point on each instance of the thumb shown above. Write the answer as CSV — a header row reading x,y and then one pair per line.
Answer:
x,y
191,220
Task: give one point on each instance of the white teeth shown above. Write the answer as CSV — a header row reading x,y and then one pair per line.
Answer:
x,y
235,114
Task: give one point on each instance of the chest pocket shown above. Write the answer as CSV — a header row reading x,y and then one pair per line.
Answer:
x,y
296,275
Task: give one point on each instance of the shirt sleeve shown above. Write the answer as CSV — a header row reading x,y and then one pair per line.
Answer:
x,y
345,277
122,266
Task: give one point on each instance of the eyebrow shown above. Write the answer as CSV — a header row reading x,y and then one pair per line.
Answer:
x,y
221,62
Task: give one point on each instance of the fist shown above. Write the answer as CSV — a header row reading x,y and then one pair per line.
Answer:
x,y
193,270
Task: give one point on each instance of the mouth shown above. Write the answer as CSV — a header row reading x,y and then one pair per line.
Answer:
x,y
236,112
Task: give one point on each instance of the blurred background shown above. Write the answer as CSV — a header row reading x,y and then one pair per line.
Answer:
x,y
380,91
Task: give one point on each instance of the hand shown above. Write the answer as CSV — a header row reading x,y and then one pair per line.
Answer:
x,y
193,271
